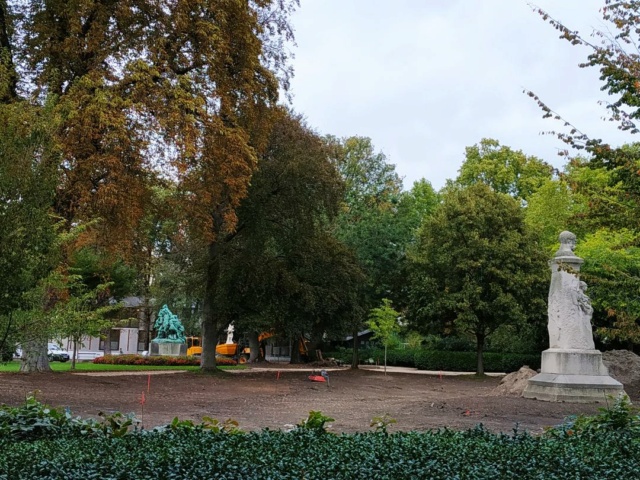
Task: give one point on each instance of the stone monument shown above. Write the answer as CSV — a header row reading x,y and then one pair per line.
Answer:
x,y
170,339
572,369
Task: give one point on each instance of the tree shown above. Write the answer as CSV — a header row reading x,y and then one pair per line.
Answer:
x,y
83,311
503,169
476,266
283,271
550,210
146,89
605,179
368,222
611,268
28,252
383,322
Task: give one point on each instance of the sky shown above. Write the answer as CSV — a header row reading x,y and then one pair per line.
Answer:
x,y
426,78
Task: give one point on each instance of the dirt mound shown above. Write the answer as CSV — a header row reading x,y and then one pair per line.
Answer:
x,y
623,365
514,383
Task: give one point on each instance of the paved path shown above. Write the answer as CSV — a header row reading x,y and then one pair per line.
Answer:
x,y
436,373
374,368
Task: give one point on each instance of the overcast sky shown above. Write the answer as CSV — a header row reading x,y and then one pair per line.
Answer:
x,y
426,78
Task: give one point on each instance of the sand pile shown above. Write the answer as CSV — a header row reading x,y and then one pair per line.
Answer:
x,y
514,383
623,365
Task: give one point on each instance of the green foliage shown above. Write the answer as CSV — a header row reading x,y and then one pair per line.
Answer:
x,y
612,271
450,343
504,170
283,270
187,451
381,423
549,210
212,425
476,267
443,360
467,361
518,339
35,420
377,220
621,416
383,322
315,422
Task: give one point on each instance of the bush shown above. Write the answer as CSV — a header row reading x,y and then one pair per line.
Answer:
x,y
450,344
75,448
160,360
424,359
467,361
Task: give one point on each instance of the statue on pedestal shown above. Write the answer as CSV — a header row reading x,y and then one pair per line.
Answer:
x,y
169,328
570,309
571,369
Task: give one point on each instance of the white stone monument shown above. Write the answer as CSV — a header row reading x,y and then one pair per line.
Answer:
x,y
572,369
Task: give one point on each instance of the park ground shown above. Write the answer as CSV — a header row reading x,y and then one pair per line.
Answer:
x,y
282,395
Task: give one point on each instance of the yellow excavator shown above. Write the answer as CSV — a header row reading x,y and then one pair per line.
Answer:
x,y
230,348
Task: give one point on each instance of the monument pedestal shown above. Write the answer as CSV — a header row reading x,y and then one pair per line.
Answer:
x,y
168,348
572,376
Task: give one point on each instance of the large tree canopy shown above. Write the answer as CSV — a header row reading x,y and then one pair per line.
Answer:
x,y
476,267
503,169
178,89
283,271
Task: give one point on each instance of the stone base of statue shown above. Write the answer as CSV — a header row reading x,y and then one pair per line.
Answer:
x,y
168,348
577,376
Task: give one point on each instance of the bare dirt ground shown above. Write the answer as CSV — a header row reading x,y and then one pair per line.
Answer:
x,y
258,399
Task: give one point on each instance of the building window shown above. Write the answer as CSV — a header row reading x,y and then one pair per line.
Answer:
x,y
114,337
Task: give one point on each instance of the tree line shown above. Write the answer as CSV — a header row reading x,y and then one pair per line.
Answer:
x,y
144,150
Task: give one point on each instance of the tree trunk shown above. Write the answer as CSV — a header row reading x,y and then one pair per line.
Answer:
x,y
209,323
75,353
355,359
254,347
480,337
295,350
107,342
34,357
385,359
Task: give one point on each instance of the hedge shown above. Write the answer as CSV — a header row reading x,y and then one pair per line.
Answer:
x,y
67,448
442,360
159,360
467,361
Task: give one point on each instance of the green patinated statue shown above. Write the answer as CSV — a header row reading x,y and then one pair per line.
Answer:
x,y
169,328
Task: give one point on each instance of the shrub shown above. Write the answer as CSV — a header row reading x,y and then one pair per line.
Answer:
x,y
424,359
467,361
160,360
76,448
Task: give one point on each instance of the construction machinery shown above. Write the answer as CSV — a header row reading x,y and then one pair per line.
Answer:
x,y
239,352
194,346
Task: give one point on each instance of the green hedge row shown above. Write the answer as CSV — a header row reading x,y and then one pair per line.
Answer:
x,y
158,360
442,360
39,443
467,361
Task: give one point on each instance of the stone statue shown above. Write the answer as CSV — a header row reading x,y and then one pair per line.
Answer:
x,y
169,328
571,369
230,330
567,245
570,309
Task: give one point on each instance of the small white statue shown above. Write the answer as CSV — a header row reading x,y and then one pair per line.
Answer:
x,y
229,331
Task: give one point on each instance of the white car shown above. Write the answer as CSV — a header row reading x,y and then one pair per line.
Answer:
x,y
54,352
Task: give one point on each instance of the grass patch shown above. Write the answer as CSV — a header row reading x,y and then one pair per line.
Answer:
x,y
14,366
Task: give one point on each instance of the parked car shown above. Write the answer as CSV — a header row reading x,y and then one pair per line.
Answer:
x,y
55,353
